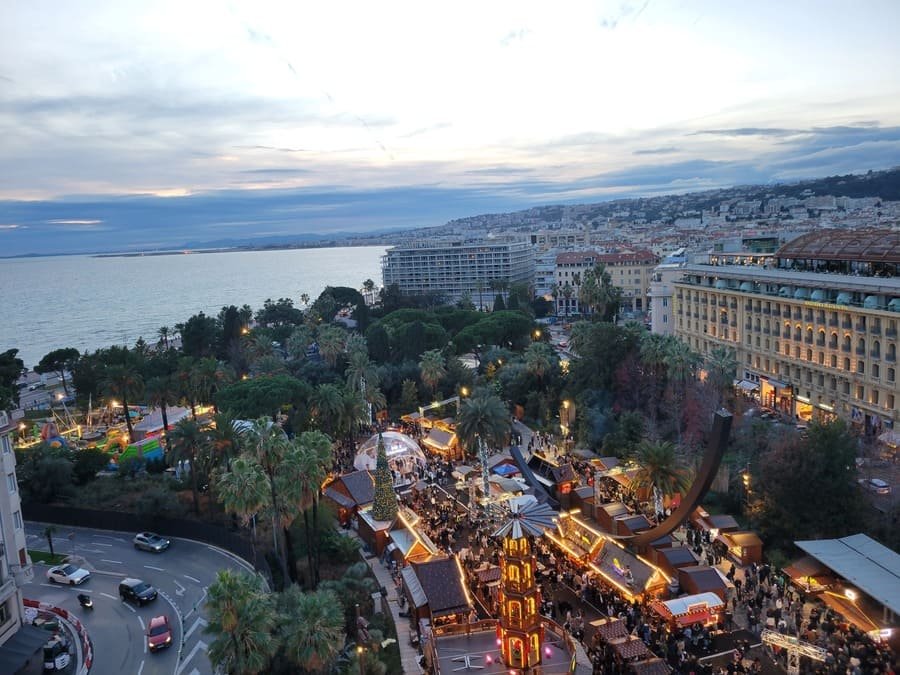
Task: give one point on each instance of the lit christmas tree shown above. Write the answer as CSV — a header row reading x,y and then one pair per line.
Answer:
x,y
384,507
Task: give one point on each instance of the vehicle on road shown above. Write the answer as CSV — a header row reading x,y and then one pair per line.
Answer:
x,y
68,574
877,485
159,633
85,601
137,591
150,541
56,654
46,623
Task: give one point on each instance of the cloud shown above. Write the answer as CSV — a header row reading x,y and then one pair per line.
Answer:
x,y
748,131
656,151
9,226
277,171
60,221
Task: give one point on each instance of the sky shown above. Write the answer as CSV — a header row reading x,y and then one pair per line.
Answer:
x,y
138,125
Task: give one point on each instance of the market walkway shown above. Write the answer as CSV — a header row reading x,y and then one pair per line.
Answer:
x,y
409,656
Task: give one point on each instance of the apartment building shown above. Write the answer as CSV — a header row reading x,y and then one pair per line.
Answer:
x,y
452,267
15,565
815,331
661,290
629,271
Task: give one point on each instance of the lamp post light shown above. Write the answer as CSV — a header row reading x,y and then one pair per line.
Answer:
x,y
748,491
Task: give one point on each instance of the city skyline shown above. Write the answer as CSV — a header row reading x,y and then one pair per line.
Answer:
x,y
155,124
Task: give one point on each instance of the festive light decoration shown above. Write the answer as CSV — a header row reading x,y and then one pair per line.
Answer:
x,y
384,506
520,632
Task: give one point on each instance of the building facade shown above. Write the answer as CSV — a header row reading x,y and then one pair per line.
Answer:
x,y
452,268
15,565
816,332
630,272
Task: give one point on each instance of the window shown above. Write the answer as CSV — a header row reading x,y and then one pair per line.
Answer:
x,y
11,482
17,520
4,613
4,442
860,366
860,392
890,374
890,401
876,371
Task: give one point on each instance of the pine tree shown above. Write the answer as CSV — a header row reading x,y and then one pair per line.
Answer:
x,y
384,507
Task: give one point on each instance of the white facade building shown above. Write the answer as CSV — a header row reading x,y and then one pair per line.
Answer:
x,y
15,565
452,267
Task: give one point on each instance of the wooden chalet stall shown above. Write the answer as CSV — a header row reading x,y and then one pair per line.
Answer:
x,y
703,608
582,498
558,478
743,547
577,539
809,575
625,526
715,525
632,575
350,493
606,514
441,440
702,579
436,590
672,558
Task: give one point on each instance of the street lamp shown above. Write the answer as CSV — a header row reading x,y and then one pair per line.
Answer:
x,y
463,391
537,334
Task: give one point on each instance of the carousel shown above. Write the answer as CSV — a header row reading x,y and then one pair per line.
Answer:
x,y
405,458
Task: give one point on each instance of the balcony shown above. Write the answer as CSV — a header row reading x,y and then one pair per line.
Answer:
x,y
860,327
7,589
833,323
776,312
732,305
748,307
875,330
890,357
875,354
860,351
820,343
890,332
845,349
748,326
847,324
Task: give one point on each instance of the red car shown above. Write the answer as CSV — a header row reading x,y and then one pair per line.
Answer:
x,y
159,633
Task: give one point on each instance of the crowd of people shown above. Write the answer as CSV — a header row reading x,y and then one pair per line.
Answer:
x,y
573,596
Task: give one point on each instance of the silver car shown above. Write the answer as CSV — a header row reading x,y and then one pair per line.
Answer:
x,y
150,541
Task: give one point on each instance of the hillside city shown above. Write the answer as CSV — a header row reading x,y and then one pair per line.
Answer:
x,y
641,437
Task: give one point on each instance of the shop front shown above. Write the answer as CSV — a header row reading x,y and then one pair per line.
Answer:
x,y
806,410
775,394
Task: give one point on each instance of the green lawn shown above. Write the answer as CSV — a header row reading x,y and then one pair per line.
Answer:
x,y
43,556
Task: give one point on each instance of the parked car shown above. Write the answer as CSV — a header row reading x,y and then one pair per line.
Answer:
x,y
150,541
137,591
878,486
159,633
68,574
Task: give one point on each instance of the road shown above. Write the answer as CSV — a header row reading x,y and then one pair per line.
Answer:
x,y
182,575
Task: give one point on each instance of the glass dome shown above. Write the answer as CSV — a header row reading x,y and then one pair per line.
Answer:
x,y
403,453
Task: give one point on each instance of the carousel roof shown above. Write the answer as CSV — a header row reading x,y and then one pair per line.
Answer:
x,y
525,519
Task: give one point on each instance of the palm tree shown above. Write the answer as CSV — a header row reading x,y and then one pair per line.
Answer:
x,y
539,360
312,629
660,470
244,490
353,413
483,421
304,298
331,343
327,405
362,375
681,364
316,460
433,368
205,377
225,439
268,445
299,341
163,334
123,383
554,293
49,531
721,367
242,618
187,441
567,292
160,392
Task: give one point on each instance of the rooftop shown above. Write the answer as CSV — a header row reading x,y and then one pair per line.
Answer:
x,y
840,244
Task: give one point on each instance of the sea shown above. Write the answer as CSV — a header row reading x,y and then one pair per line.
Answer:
x,y
89,302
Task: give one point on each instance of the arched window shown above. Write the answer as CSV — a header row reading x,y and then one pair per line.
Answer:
x,y
846,343
833,343
876,349
892,351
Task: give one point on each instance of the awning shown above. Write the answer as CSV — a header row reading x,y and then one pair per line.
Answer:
x,y
505,469
22,646
746,385
778,384
872,567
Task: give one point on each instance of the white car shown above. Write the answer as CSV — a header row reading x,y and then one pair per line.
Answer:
x,y
878,486
68,574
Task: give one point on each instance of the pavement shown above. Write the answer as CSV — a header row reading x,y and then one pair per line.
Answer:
x,y
181,574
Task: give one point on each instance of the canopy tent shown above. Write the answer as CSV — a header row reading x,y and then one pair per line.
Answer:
x,y
505,470
403,453
690,609
811,575
890,438
462,471
861,560
153,423
746,385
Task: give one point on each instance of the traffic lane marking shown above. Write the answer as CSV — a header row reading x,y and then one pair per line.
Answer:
x,y
114,562
107,595
151,567
194,579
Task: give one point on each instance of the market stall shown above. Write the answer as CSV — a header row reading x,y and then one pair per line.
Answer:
x,y
703,608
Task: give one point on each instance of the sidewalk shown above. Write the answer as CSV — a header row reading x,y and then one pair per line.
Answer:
x,y
409,656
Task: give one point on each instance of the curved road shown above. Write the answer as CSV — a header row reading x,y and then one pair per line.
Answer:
x,y
182,575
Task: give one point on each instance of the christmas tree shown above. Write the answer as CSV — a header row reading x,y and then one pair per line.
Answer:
x,y
385,504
